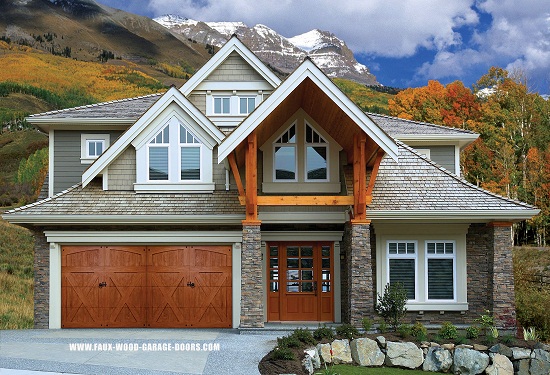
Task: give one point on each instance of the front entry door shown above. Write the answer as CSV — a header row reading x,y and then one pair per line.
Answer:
x,y
300,281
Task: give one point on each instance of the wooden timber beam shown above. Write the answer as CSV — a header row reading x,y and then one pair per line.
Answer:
x,y
236,174
359,178
304,200
374,172
251,179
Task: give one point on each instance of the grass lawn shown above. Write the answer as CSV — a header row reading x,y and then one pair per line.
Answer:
x,y
355,370
16,277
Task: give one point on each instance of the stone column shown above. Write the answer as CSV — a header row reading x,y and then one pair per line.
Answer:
x,y
252,313
503,298
360,287
41,280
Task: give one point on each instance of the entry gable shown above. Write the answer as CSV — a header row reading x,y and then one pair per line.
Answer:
x,y
170,125
310,89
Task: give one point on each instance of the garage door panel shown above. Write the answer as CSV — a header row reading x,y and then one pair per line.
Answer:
x,y
157,286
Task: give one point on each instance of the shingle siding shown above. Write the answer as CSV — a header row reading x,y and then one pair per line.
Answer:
x,y
122,171
234,69
199,101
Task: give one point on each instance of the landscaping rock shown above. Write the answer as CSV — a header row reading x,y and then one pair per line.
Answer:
x,y
501,365
308,364
540,362
324,352
469,362
381,341
404,354
480,348
438,360
521,367
315,359
502,349
521,353
365,352
448,346
465,346
341,351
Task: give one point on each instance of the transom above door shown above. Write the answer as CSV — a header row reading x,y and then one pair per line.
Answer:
x,y
301,279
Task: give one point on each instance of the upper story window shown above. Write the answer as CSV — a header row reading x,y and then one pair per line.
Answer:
x,y
92,146
176,160
222,105
246,104
302,158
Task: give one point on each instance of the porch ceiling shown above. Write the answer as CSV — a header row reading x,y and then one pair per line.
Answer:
x,y
323,110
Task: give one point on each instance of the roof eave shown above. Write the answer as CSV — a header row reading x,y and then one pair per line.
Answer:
x,y
462,140
49,123
462,215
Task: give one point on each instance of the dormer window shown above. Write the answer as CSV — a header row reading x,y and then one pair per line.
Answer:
x,y
285,156
246,104
222,105
177,159
92,146
316,155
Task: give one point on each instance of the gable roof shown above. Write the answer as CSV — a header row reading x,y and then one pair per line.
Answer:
x,y
173,95
232,45
309,72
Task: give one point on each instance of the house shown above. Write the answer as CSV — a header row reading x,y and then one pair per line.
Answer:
x,y
241,199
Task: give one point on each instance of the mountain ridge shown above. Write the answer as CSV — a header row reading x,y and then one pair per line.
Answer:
x,y
329,52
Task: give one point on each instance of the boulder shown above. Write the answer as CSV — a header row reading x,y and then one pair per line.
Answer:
x,y
438,360
315,359
324,352
382,341
540,362
365,352
501,365
469,362
521,353
521,367
307,364
502,349
341,352
480,348
404,354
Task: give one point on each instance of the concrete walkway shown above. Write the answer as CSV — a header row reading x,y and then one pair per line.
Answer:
x,y
134,351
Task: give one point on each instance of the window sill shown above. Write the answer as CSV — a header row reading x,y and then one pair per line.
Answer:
x,y
87,160
182,187
439,306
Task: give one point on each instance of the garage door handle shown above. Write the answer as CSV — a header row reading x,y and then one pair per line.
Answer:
x,y
101,285
192,285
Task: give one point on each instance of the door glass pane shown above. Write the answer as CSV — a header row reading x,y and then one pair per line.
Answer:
x,y
307,263
292,287
292,275
307,251
326,263
325,251
326,286
273,251
274,263
274,275
274,286
307,275
292,251
307,287
326,275
292,263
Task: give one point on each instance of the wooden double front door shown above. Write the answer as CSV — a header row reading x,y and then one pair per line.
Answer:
x,y
301,276
146,286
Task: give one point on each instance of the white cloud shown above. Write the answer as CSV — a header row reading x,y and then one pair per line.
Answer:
x,y
391,28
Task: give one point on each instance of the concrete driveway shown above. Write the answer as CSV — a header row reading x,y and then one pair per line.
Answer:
x,y
135,351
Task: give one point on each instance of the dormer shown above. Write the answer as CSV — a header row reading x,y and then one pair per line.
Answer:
x,y
231,85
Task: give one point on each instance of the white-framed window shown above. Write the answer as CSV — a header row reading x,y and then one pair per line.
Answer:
x,y
92,146
222,105
246,104
402,266
158,151
190,156
440,270
424,152
316,155
177,158
285,156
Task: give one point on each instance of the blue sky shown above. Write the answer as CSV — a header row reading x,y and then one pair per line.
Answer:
x,y
405,43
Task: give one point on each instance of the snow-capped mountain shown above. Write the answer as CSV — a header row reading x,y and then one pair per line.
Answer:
x,y
329,52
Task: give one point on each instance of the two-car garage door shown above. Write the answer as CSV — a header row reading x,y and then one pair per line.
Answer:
x,y
146,286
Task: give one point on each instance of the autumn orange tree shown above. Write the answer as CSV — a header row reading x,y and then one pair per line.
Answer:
x,y
512,155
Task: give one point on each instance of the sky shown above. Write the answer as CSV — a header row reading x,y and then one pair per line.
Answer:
x,y
404,43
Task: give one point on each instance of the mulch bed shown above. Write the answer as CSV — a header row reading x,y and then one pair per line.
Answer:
x,y
270,366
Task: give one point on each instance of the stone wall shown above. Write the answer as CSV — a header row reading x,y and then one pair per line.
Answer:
x,y
252,313
41,279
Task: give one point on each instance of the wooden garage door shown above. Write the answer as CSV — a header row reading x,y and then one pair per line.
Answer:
x,y
158,286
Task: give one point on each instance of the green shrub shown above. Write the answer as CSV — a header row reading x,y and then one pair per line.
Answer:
x,y
383,327
404,330
366,323
283,353
448,331
303,335
461,340
508,339
472,332
391,305
347,331
288,342
419,331
323,332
